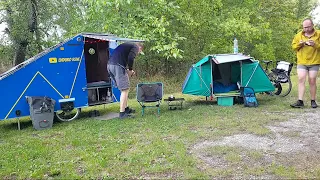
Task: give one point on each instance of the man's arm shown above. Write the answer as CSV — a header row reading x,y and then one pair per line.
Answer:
x,y
317,43
133,53
297,43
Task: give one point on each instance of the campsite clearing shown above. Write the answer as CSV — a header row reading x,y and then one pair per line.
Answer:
x,y
203,140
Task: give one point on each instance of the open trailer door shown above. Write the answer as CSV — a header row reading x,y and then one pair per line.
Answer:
x,y
98,48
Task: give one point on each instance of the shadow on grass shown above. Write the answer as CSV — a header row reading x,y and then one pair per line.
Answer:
x,y
202,102
13,125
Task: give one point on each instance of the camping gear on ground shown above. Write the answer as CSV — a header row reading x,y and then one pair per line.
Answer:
x,y
174,103
149,95
225,71
41,111
226,99
73,73
249,97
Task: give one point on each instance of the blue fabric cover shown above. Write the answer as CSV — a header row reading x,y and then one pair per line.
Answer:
x,y
220,88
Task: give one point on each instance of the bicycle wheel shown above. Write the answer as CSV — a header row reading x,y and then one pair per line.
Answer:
x,y
68,115
286,84
281,82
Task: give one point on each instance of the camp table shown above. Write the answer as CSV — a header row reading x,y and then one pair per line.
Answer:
x,y
174,103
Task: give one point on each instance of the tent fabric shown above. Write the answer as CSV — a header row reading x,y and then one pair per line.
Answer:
x,y
254,76
198,80
203,61
248,73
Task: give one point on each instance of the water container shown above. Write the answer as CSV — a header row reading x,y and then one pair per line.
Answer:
x,y
109,96
235,46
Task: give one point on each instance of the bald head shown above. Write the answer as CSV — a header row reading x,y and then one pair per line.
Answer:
x,y
307,26
140,45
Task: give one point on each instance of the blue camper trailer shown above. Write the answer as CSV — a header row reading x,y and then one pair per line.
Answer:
x,y
72,73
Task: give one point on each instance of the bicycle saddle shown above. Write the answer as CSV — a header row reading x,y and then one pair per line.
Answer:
x,y
267,61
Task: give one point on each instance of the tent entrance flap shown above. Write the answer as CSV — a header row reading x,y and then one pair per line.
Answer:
x,y
254,70
254,76
198,79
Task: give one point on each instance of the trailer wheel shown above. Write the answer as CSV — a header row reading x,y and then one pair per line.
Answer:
x,y
68,115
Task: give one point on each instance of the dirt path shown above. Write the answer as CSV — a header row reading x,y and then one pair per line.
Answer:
x,y
293,144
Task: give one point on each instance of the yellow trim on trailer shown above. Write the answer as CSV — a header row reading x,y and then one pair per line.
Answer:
x,y
75,77
28,87
51,84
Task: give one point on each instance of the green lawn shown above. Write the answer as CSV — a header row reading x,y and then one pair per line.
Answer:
x,y
144,147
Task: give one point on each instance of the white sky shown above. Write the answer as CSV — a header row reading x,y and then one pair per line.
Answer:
x,y
316,14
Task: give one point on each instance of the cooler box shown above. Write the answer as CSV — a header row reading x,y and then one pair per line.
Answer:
x,y
225,101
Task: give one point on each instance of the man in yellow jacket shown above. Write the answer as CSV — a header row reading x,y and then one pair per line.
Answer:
x,y
307,46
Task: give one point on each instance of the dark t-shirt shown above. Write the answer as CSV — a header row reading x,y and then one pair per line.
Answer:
x,y
124,55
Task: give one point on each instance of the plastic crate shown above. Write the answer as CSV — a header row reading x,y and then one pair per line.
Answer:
x,y
41,111
225,101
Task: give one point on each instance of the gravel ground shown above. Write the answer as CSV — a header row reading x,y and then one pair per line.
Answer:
x,y
294,143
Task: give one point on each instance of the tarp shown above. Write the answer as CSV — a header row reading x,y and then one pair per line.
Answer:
x,y
227,69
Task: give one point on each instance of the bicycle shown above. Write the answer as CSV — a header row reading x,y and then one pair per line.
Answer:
x,y
279,77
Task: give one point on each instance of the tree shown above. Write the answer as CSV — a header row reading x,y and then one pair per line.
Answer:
x,y
177,33
31,25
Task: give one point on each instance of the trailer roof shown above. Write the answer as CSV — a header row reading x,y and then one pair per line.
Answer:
x,y
108,37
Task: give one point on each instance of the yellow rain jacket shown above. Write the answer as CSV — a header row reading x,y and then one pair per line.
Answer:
x,y
307,55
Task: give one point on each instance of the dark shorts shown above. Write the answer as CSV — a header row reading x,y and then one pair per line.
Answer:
x,y
119,75
308,67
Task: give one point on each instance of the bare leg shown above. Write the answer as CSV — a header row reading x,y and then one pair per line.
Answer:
x,y
124,99
312,83
302,74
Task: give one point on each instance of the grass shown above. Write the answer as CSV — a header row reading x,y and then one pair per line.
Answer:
x,y
149,146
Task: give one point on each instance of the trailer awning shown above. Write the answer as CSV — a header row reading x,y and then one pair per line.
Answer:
x,y
109,37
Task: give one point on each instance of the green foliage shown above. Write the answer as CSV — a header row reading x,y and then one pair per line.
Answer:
x,y
177,33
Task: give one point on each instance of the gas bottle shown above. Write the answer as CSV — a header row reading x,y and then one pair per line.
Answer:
x,y
235,46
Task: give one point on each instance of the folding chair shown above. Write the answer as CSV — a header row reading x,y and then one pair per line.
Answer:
x,y
150,93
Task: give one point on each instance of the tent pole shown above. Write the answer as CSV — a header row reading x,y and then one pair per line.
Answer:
x,y
241,73
211,77
202,79
252,75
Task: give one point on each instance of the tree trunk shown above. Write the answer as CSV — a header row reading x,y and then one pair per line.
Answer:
x,y
21,44
33,23
20,53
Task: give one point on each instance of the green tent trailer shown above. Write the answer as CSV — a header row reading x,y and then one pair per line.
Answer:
x,y
221,75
